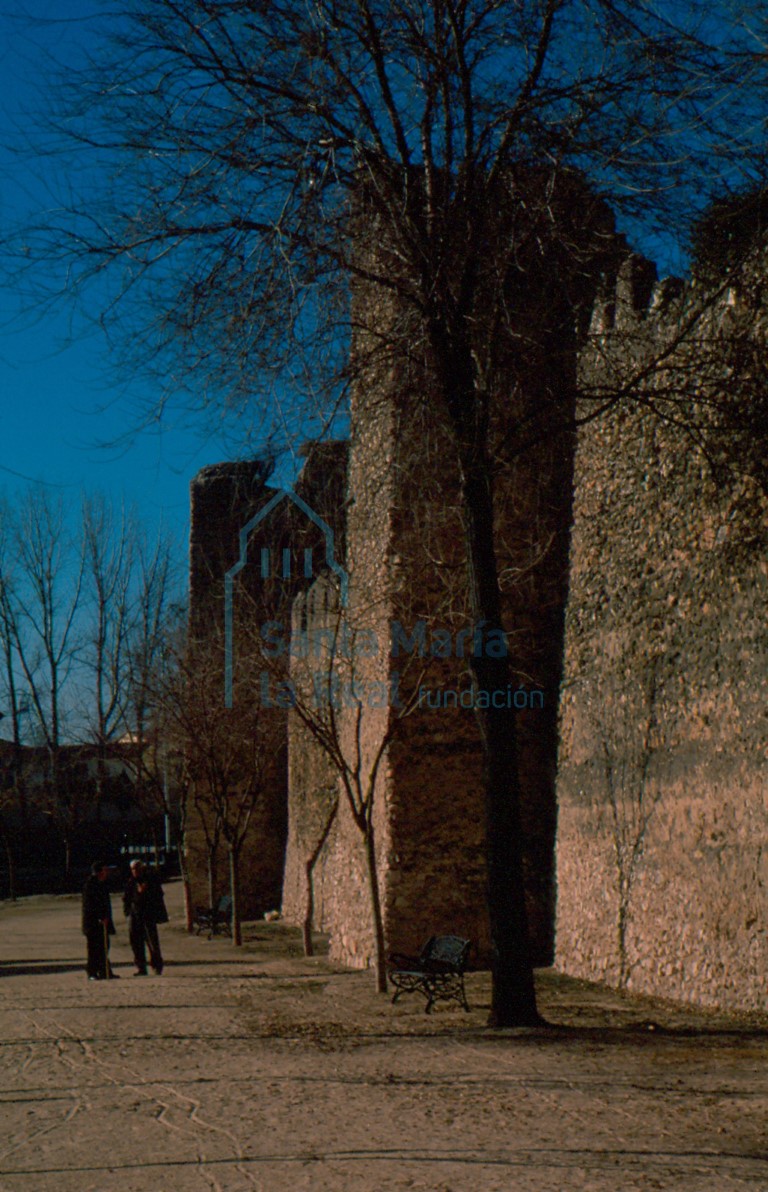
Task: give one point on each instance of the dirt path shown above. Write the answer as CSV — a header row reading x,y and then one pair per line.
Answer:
x,y
265,1070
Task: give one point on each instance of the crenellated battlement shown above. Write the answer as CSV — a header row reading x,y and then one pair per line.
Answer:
x,y
662,816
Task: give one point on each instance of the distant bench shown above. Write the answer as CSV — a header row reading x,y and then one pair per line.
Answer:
x,y
437,972
211,919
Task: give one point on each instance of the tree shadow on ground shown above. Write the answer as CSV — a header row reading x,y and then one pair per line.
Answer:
x,y
637,1032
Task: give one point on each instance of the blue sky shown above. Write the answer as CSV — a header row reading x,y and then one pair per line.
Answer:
x,y
59,399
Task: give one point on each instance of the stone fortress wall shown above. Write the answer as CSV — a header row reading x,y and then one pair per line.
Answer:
x,y
662,793
662,815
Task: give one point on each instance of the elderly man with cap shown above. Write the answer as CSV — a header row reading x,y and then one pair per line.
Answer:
x,y
144,906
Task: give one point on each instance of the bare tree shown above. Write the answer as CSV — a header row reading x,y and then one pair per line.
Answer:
x,y
475,140
13,792
44,606
308,922
153,633
351,715
153,638
13,784
109,549
229,756
8,803
630,753
85,623
339,734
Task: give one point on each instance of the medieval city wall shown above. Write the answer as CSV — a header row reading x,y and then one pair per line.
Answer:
x,y
407,567
663,804
662,829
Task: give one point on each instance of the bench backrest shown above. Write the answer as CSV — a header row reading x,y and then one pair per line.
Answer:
x,y
446,949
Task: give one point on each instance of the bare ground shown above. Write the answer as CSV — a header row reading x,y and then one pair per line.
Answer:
x,y
261,1069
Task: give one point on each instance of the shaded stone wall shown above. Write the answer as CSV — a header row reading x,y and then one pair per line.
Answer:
x,y
437,877
313,784
341,882
663,810
224,499
407,565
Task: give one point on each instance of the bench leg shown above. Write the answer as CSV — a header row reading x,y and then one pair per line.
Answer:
x,y
448,987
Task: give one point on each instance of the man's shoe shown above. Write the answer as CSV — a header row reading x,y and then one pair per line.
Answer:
x,y
158,971
95,978
139,973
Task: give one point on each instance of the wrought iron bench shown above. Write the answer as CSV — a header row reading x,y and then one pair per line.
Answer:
x,y
211,919
437,972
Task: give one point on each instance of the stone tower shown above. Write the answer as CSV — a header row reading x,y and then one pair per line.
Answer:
x,y
247,569
408,594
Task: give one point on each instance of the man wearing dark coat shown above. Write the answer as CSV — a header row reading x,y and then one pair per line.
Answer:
x,y
97,922
144,906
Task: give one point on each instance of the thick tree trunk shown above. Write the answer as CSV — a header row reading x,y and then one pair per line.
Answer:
x,y
513,998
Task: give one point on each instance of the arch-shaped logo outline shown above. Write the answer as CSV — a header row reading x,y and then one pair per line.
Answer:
x,y
229,577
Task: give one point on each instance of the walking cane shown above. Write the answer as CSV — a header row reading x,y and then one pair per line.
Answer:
x,y
107,969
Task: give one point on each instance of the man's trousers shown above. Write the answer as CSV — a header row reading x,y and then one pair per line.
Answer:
x,y
143,936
